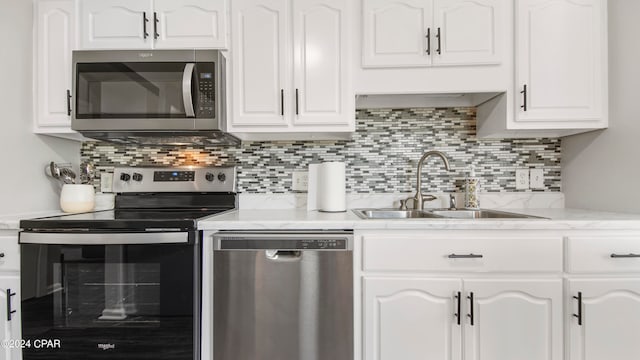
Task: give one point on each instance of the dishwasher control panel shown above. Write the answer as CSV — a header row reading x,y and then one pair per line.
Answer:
x,y
322,244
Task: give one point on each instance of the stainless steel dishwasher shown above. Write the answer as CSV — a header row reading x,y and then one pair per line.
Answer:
x,y
283,295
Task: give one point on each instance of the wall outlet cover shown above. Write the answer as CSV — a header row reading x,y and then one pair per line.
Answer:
x,y
300,181
536,178
522,179
106,182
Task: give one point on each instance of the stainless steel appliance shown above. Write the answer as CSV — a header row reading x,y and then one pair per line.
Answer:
x,y
283,295
123,283
150,96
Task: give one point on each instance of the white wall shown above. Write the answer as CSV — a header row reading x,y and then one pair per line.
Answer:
x,y
601,170
23,185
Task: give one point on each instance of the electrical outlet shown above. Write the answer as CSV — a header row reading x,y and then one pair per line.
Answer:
x,y
536,178
522,179
106,182
300,181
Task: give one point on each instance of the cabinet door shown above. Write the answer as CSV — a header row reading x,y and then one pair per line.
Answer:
x,y
55,39
321,63
260,50
467,32
116,24
561,58
397,33
9,329
610,319
411,319
191,24
514,319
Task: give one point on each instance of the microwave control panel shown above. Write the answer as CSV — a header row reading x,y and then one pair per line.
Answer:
x,y
206,103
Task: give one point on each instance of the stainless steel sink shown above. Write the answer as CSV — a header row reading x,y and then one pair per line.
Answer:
x,y
393,214
480,214
439,214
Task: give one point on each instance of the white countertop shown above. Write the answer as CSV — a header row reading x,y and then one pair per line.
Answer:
x,y
12,222
302,219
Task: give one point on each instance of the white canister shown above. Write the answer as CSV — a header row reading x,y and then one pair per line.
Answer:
x,y
77,198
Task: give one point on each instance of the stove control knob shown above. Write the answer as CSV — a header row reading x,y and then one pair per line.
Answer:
x,y
137,177
125,177
222,177
209,176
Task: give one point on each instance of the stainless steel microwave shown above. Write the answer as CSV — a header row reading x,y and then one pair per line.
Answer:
x,y
145,96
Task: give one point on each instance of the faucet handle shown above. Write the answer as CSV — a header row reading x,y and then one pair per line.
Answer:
x,y
403,203
452,201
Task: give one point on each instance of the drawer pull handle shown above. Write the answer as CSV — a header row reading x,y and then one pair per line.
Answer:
x,y
623,256
579,314
1,255
465,256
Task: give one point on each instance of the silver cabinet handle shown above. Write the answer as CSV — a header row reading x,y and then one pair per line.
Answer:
x,y
465,256
625,256
187,96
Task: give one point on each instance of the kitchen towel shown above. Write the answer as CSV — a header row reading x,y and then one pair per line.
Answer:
x,y
331,187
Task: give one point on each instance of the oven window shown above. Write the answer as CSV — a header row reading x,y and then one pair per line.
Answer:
x,y
130,90
112,302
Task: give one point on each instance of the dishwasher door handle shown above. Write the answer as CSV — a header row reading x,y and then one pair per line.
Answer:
x,y
283,255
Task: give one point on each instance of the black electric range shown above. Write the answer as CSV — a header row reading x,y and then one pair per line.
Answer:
x,y
123,283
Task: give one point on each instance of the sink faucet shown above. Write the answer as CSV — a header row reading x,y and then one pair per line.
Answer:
x,y
419,199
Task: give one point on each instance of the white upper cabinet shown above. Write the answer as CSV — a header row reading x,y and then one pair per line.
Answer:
x,y
260,69
152,24
116,24
607,318
561,61
466,31
191,23
397,33
414,33
290,69
55,38
320,48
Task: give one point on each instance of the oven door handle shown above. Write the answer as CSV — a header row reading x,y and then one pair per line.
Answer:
x,y
187,95
104,238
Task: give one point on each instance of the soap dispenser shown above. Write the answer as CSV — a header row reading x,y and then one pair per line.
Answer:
x,y
472,183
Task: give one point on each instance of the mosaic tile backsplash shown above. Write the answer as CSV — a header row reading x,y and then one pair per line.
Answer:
x,y
381,157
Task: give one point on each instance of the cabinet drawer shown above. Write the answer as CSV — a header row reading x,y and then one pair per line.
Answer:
x,y
11,250
611,254
462,252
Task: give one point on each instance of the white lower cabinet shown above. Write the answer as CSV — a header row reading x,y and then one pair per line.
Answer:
x,y
9,296
513,319
428,318
411,318
604,318
10,325
453,295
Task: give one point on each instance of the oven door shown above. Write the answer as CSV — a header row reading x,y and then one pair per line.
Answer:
x,y
110,296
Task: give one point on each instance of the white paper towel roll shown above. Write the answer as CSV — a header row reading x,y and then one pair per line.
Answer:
x,y
331,187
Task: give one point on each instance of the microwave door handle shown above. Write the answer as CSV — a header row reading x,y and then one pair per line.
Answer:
x,y
187,96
